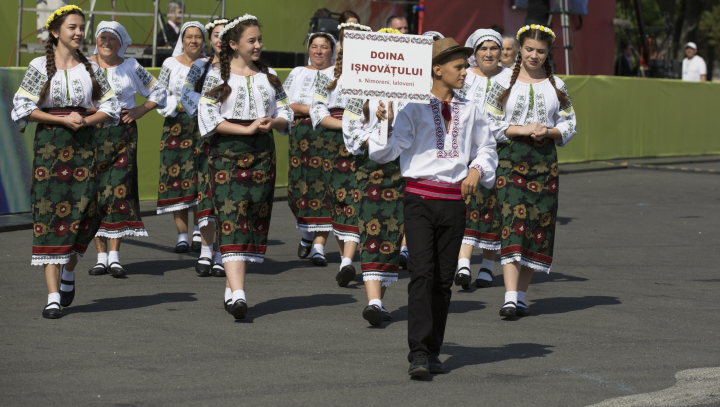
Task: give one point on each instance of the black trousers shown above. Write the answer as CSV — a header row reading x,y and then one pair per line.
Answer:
x,y
434,231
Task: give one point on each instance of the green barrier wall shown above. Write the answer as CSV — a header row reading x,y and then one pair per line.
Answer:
x,y
617,118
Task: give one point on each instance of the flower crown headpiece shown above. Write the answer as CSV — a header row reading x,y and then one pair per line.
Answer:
x,y
355,26
389,31
58,12
535,27
234,23
209,26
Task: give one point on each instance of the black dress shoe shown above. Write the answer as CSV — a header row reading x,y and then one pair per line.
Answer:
x,y
373,315
52,313
116,270
506,311
480,283
196,244
181,247
403,260
345,275
522,310
239,309
218,270
98,270
203,266
463,279
386,315
319,260
67,297
419,366
435,365
304,251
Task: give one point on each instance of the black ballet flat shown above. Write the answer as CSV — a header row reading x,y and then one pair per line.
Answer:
x,y
239,309
67,297
203,269
52,313
304,251
218,270
373,315
99,270
508,311
345,275
181,247
463,279
319,260
522,310
403,260
116,270
480,283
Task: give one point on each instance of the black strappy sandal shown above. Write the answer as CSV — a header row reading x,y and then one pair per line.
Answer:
x,y
463,279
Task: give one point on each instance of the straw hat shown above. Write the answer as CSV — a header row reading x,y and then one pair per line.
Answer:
x,y
447,46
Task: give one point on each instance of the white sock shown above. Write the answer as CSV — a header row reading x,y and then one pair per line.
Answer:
x,y
228,294
206,251
309,236
196,230
346,261
238,295
113,257
377,303
404,250
464,263
521,297
103,258
318,248
511,297
486,264
182,237
218,258
53,297
67,275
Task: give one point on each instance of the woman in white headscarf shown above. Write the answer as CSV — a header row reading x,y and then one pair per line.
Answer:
x,y
481,230
117,145
179,146
300,89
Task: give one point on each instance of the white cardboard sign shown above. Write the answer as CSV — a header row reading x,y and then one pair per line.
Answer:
x,y
387,66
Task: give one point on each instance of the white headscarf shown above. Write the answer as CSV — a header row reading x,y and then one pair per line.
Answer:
x,y
478,37
179,46
118,30
433,34
314,35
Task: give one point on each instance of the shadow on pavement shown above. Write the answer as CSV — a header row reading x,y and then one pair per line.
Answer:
x,y
278,305
159,267
456,307
551,277
561,305
131,302
461,356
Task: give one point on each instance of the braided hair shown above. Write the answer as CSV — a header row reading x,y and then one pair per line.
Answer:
x,y
50,45
338,64
542,36
223,90
211,57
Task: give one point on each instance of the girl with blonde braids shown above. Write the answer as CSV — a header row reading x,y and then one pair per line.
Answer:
x,y
242,102
530,114
56,92
338,165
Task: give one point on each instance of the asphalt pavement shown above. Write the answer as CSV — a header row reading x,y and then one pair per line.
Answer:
x,y
629,315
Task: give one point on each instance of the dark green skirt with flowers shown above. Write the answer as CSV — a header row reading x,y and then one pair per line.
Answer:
x,y
527,191
482,227
179,148
205,204
117,181
242,174
338,180
63,193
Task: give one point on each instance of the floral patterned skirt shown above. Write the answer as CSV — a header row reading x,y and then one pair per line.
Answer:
x,y
338,178
63,193
307,195
117,181
179,148
482,227
527,191
205,204
242,177
379,200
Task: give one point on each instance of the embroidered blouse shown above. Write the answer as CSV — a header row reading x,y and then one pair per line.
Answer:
x,y
529,103
428,152
476,87
189,99
300,85
252,97
355,132
68,88
129,78
325,99
172,78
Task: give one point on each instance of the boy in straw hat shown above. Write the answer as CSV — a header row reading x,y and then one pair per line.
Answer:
x,y
435,143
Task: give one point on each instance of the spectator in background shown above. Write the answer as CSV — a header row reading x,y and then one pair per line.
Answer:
x,y
623,65
171,30
510,49
693,67
397,22
42,16
349,16
498,28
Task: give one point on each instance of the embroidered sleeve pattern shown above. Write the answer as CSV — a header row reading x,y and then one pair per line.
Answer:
x,y
164,77
321,92
492,104
287,85
27,96
566,122
105,89
108,102
282,110
209,110
189,98
145,77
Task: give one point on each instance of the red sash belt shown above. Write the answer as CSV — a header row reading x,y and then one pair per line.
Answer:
x,y
337,113
433,189
65,111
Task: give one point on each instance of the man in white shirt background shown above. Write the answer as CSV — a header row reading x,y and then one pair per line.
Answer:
x,y
693,67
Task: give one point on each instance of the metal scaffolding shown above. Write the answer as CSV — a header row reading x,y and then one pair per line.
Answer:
x,y
131,51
